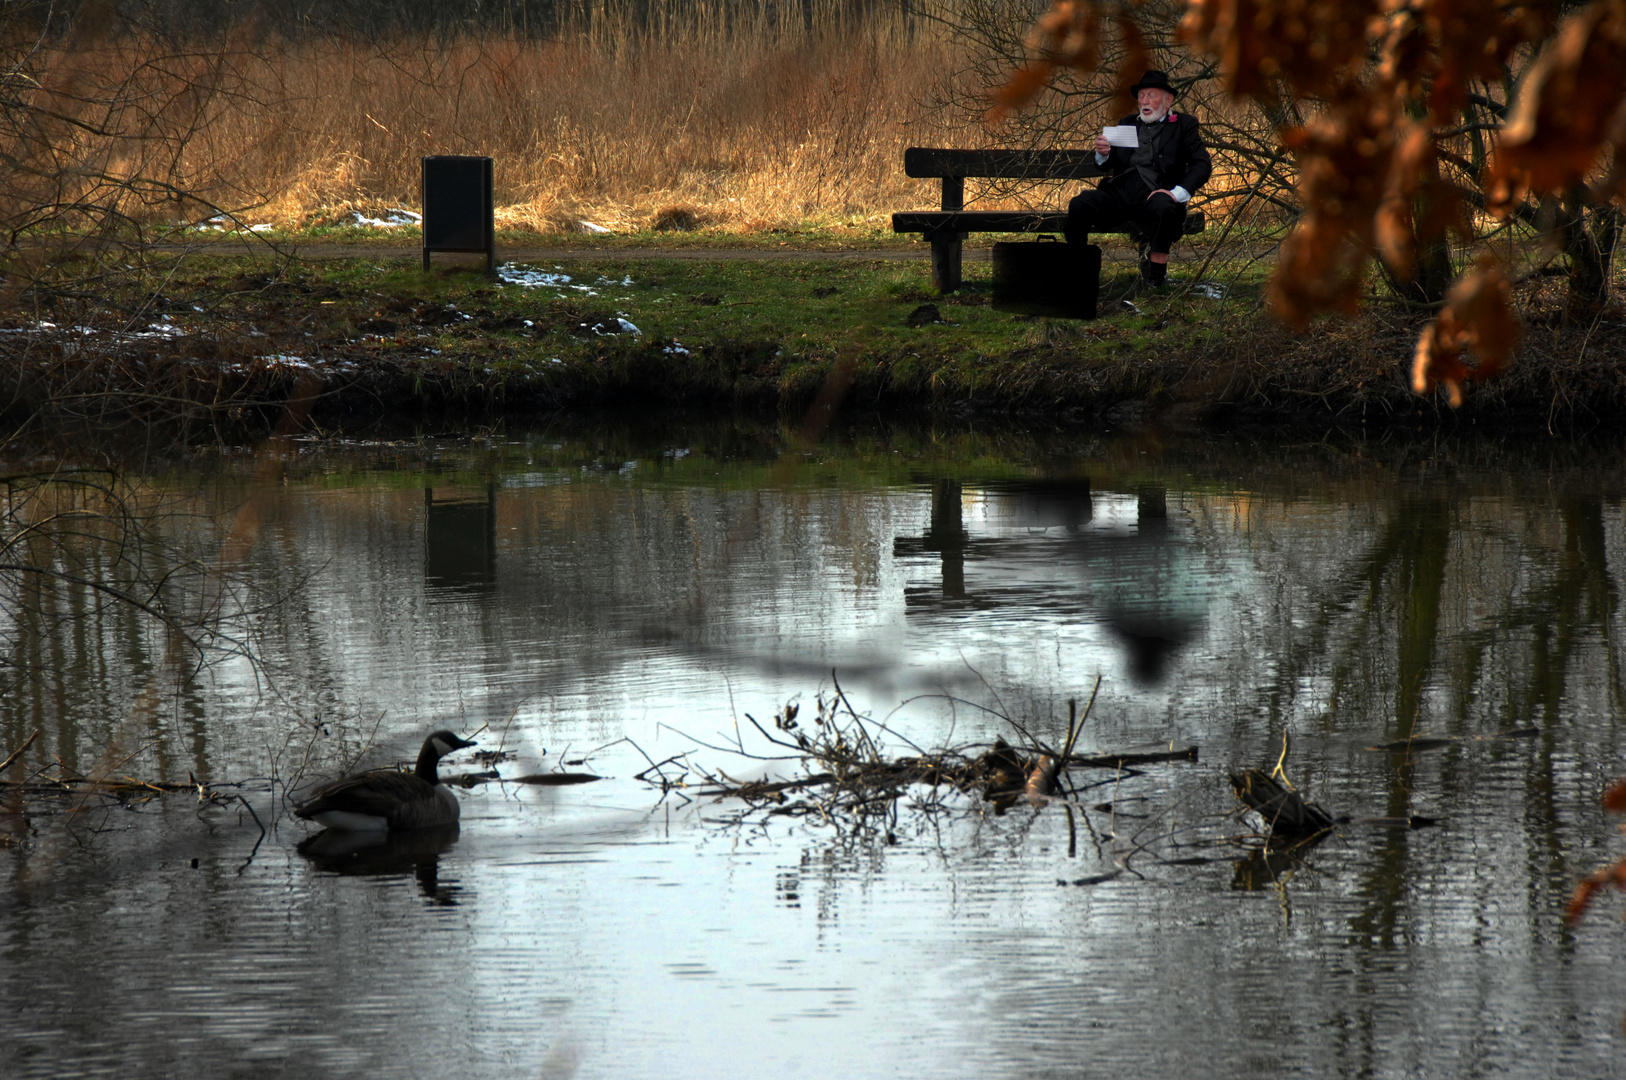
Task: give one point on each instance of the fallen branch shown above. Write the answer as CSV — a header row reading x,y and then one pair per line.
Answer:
x,y
1285,811
849,781
17,753
1120,761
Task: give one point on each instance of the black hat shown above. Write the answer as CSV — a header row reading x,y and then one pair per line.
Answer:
x,y
1154,80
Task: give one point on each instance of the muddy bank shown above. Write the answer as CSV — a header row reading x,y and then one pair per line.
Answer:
x,y
1335,376
359,344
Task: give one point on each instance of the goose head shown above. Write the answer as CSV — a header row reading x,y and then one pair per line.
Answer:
x,y
438,745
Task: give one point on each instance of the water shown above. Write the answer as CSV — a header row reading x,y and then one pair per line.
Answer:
x,y
601,596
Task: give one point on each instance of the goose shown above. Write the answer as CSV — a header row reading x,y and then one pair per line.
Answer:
x,y
385,800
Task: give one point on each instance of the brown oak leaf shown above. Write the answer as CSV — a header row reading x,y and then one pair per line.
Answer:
x,y
1478,315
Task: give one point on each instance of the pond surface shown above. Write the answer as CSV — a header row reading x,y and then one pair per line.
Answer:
x,y
606,598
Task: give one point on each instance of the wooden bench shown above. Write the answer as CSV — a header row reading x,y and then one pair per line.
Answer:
x,y
948,227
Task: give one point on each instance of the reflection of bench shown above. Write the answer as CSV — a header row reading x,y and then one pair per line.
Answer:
x,y
946,228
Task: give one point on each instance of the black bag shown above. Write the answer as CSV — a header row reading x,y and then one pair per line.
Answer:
x,y
1047,277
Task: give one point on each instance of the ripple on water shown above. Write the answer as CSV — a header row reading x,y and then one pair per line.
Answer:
x,y
594,932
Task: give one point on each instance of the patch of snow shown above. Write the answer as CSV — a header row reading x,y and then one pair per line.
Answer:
x,y
590,227
394,219
527,278
227,223
160,330
607,328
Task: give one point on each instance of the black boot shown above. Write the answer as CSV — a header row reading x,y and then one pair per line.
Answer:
x,y
1155,274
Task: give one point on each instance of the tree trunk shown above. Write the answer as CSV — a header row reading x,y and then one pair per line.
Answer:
x,y
1432,276
1589,235
1432,271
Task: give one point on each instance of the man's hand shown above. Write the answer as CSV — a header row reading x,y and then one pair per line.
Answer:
x,y
1102,147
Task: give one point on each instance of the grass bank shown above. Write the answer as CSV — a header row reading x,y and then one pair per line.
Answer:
x,y
223,340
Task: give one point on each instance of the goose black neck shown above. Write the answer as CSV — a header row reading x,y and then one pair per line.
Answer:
x,y
427,762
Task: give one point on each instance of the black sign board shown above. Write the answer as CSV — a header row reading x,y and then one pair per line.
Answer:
x,y
458,211
1057,280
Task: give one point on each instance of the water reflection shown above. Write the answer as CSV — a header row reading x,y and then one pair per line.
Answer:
x,y
1036,549
1348,595
415,853
1270,867
945,536
1156,601
460,537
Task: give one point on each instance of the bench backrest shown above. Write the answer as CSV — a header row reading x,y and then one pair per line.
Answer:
x,y
921,162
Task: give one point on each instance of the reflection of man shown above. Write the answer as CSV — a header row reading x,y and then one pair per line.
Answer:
x,y
1150,184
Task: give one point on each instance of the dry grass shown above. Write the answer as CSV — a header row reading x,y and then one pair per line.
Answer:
x,y
675,124
752,131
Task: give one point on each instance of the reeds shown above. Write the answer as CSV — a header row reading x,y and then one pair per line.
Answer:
x,y
749,133
744,123
724,114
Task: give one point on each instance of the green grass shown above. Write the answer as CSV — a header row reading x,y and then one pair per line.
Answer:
x,y
392,338
766,333
818,308
800,310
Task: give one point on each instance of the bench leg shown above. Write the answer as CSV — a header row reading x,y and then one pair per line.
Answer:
x,y
946,263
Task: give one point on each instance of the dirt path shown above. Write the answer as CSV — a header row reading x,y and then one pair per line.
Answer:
x,y
308,252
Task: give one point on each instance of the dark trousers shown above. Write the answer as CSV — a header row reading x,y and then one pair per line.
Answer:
x,y
1160,219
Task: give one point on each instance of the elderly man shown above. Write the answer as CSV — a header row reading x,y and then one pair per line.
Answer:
x,y
1147,185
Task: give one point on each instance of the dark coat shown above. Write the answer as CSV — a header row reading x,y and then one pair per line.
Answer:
x,y
1182,160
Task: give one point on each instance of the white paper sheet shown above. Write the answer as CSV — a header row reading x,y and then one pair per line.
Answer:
x,y
1122,135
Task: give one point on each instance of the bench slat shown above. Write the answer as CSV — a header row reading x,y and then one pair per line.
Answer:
x,y
1006,221
922,162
